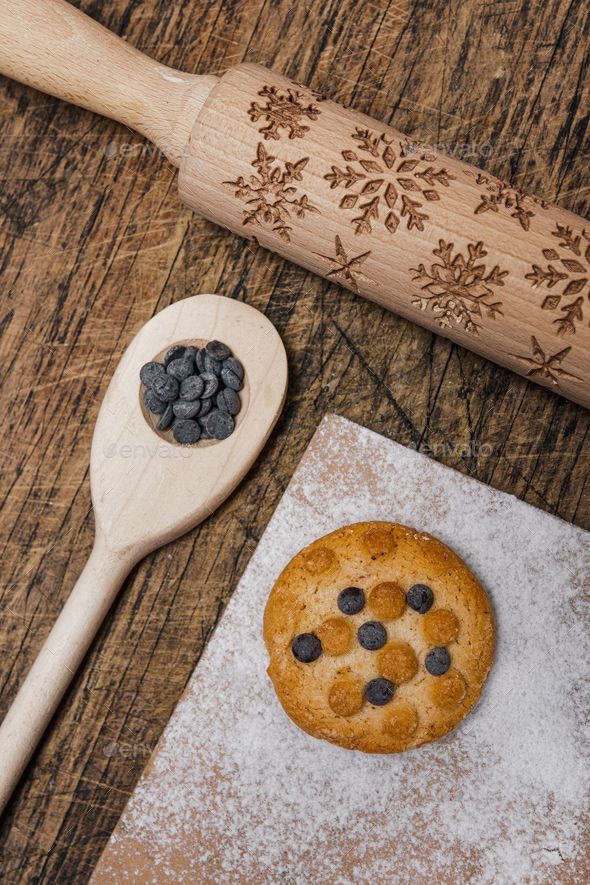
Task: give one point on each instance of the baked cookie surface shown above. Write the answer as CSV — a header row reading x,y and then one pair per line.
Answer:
x,y
380,638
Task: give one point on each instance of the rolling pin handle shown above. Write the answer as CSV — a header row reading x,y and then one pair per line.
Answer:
x,y
52,46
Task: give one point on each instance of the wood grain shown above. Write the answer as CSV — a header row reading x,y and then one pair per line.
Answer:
x,y
94,240
132,466
431,238
52,46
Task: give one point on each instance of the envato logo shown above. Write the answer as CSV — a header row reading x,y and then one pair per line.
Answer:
x,y
467,150
130,451
127,750
131,148
143,149
461,450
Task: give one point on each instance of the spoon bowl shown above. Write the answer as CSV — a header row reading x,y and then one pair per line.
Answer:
x,y
146,491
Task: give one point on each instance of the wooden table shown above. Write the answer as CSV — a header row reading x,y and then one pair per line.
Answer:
x,y
94,241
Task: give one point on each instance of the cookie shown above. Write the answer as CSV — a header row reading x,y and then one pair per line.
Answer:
x,y
380,638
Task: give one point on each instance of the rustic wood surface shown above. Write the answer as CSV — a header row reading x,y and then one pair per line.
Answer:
x,y
132,463
94,240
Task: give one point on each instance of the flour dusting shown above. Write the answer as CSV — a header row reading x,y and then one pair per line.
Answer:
x,y
236,792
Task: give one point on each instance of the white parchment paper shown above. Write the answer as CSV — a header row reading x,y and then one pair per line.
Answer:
x,y
237,793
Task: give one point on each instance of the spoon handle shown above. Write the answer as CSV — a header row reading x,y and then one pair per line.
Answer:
x,y
57,662
52,46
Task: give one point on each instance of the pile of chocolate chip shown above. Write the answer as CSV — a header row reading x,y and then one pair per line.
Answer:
x,y
195,391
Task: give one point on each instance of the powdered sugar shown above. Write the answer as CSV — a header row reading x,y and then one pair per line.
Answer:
x,y
236,792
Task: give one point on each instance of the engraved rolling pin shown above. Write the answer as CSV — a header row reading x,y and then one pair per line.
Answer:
x,y
427,236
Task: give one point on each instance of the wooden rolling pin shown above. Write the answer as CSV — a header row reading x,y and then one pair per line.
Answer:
x,y
439,242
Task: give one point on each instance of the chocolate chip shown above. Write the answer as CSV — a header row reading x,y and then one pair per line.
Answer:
x,y
306,648
149,371
218,350
181,368
207,363
186,431
189,394
175,353
154,403
234,366
165,387
211,384
192,387
230,378
166,419
228,401
190,353
372,635
379,691
437,661
206,406
212,365
351,600
420,598
219,424
186,408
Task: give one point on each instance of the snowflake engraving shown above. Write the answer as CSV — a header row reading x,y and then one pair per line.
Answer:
x,y
571,275
386,184
270,195
283,110
345,267
543,366
459,289
500,195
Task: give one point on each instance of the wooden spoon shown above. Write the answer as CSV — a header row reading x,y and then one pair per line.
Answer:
x,y
146,491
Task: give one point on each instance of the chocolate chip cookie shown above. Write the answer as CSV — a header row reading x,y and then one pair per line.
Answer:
x,y
380,638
